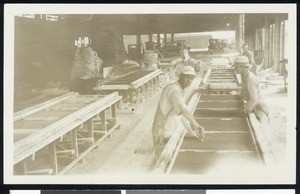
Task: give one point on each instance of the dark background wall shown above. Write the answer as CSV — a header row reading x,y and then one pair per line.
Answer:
x,y
44,50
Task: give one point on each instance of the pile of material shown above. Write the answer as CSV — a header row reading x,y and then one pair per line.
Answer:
x,y
86,64
117,71
114,49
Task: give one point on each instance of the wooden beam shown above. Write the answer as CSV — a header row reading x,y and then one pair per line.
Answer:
x,y
218,151
262,142
112,87
36,118
28,111
24,131
53,157
139,82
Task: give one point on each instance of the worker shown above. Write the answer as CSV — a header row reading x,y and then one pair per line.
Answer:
x,y
250,57
250,92
187,60
171,105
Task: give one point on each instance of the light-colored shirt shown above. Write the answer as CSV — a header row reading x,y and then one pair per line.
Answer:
x,y
250,57
172,97
168,113
250,91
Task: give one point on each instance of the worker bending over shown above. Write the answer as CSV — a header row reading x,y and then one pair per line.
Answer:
x,y
171,105
250,91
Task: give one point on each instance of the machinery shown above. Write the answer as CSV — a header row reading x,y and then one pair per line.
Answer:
x,y
217,45
173,48
134,53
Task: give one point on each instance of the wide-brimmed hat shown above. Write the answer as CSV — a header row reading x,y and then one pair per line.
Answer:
x,y
188,70
242,61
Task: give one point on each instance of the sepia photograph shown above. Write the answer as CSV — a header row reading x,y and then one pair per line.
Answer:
x,y
149,94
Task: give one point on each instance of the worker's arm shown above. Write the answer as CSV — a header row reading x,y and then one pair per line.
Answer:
x,y
252,88
181,108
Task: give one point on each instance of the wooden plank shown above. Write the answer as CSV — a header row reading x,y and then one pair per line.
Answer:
x,y
24,131
28,111
64,109
218,151
37,118
112,87
103,121
139,82
226,132
178,60
161,164
41,171
38,140
53,157
74,142
262,142
217,118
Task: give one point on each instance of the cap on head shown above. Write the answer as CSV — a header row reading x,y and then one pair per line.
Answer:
x,y
242,61
188,70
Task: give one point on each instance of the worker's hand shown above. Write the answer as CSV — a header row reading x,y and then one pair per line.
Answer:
x,y
201,89
201,132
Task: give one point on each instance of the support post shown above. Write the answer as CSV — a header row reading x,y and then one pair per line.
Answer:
x,y
114,114
53,157
158,40
74,143
240,31
277,43
103,122
266,43
139,45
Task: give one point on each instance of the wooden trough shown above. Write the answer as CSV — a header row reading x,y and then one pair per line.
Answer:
x,y
134,86
231,135
53,136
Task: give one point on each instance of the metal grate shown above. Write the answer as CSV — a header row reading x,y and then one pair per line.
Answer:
x,y
219,97
218,113
200,163
237,142
225,104
235,124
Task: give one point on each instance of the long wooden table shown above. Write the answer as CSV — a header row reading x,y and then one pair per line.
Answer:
x,y
51,137
134,86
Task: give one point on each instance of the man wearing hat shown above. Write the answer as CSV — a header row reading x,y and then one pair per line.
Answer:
x,y
250,57
171,105
250,92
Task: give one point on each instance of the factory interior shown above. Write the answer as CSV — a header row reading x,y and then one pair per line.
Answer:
x,y
87,88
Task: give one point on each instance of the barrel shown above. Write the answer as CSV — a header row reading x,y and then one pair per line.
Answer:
x,y
150,57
